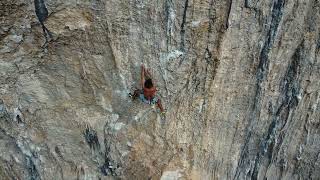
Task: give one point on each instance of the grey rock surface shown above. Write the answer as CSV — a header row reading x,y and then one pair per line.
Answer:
x,y
240,81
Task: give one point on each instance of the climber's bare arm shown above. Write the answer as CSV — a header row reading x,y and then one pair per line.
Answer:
x,y
160,106
147,73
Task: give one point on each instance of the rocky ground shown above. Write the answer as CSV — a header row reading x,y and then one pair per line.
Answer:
x,y
239,80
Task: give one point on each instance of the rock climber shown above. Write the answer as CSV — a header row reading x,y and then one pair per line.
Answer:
x,y
42,14
147,93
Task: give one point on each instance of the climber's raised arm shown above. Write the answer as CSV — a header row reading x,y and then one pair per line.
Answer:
x,y
148,75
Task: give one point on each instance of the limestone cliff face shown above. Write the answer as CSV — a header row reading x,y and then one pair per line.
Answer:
x,y
239,80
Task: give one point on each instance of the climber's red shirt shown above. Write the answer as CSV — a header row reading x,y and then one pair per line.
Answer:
x,y
149,93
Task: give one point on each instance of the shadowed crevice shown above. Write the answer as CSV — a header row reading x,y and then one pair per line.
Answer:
x,y
42,14
261,75
228,14
91,138
183,31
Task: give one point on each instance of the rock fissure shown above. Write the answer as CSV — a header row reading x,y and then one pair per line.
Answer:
x,y
183,24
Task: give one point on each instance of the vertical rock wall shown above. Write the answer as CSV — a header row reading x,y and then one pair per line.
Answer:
x,y
239,81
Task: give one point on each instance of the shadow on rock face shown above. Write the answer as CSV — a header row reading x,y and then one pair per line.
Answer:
x,y
42,14
91,138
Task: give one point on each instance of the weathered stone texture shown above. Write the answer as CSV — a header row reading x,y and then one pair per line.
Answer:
x,y
239,80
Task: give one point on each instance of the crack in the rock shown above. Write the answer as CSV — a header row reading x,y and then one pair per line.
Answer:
x,y
91,138
169,18
318,44
228,14
261,74
183,31
109,167
29,158
34,174
289,100
253,7
42,14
